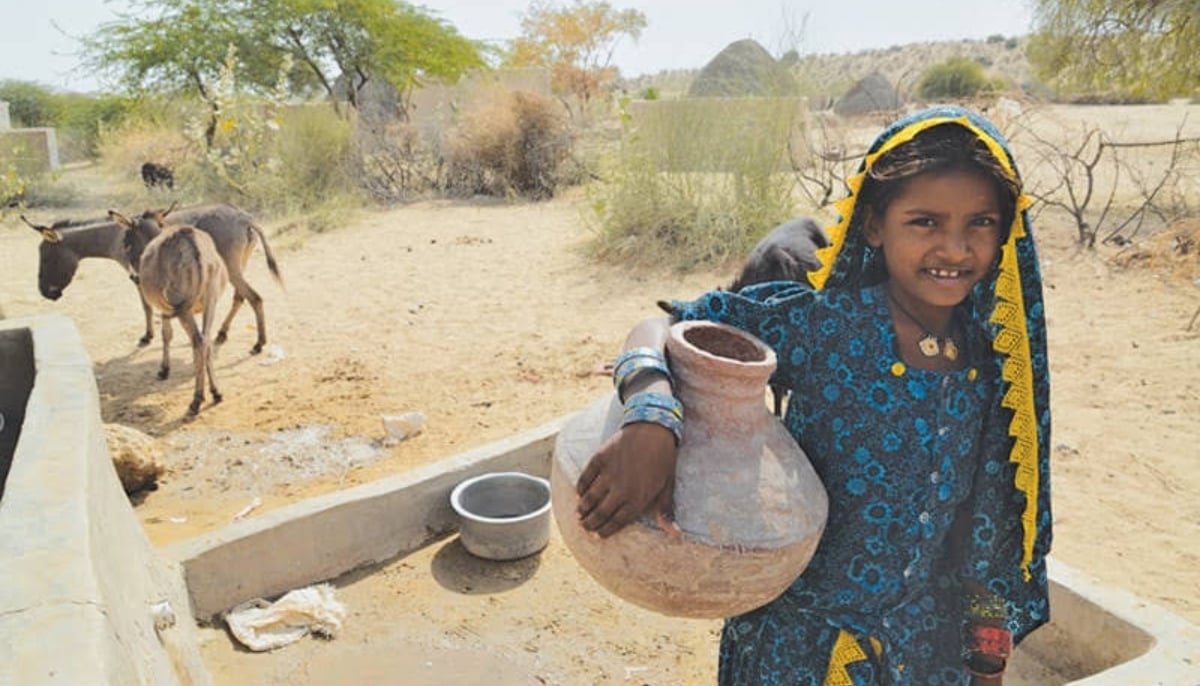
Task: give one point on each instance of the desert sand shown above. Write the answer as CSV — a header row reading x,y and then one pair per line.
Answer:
x,y
486,317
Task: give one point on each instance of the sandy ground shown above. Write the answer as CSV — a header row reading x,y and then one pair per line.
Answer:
x,y
487,318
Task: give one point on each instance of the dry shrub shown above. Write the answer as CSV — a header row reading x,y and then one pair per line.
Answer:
x,y
397,161
514,143
1173,252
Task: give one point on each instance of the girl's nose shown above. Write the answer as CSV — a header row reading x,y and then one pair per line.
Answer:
x,y
955,245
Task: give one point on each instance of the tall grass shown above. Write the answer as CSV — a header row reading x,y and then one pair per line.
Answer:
x,y
695,182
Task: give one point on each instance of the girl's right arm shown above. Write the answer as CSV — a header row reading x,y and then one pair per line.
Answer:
x,y
634,470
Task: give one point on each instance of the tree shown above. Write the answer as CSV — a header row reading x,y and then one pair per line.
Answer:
x,y
182,46
1138,48
342,45
575,43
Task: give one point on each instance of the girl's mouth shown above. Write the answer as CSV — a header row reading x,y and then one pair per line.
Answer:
x,y
946,273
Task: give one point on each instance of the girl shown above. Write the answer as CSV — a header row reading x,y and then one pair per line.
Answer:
x,y
917,366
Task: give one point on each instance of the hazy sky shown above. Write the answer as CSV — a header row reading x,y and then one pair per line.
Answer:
x,y
38,45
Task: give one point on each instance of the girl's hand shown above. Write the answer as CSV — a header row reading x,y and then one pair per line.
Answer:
x,y
632,472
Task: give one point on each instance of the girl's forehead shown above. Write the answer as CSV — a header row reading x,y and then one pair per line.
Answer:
x,y
958,187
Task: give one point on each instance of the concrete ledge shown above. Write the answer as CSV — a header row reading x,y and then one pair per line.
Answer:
x,y
1104,636
80,576
324,537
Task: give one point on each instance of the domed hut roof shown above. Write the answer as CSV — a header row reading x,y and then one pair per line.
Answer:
x,y
873,93
743,68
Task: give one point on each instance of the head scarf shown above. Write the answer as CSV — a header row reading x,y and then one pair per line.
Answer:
x,y
1008,301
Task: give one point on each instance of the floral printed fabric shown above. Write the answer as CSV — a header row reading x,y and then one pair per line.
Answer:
x,y
920,497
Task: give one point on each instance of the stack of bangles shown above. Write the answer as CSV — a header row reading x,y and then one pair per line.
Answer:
x,y
986,646
663,409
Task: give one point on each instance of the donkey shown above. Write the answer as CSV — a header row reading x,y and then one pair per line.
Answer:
x,y
787,253
66,242
182,274
234,233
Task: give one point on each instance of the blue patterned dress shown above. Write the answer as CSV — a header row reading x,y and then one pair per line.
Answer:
x,y
920,496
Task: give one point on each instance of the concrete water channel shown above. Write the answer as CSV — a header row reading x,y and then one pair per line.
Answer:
x,y
86,599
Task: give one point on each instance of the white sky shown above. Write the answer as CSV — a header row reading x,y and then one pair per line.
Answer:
x,y
37,39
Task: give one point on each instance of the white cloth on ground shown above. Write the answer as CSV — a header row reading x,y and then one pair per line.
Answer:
x,y
261,625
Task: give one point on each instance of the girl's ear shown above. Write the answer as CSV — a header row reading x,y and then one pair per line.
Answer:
x,y
872,231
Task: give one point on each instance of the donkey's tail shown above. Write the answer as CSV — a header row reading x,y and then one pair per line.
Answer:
x,y
271,263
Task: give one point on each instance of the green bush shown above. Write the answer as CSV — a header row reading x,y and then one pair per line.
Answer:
x,y
957,77
695,186
29,104
78,118
82,120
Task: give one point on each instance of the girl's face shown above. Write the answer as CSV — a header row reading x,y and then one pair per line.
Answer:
x,y
940,235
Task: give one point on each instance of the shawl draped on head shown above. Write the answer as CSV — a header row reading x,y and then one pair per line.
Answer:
x,y
1008,303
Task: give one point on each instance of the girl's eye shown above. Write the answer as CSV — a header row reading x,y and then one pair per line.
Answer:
x,y
986,222
922,221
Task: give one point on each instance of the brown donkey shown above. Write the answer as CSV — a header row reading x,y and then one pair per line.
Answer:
x,y
182,274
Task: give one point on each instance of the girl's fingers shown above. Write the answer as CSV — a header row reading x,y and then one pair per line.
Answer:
x,y
664,511
590,500
621,518
598,516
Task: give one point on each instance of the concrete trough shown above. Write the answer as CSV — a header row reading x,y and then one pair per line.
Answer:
x,y
83,588
84,597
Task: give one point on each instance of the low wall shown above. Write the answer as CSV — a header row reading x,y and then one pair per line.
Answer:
x,y
324,537
85,600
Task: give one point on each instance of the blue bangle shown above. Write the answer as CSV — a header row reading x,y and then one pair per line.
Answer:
x,y
634,362
655,408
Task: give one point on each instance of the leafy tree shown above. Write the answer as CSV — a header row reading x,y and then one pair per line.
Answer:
x,y
361,40
957,77
575,42
1141,48
179,46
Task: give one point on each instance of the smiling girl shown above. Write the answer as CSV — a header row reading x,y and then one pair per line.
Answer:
x,y
920,394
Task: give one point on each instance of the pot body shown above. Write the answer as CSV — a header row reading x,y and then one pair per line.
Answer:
x,y
503,515
749,504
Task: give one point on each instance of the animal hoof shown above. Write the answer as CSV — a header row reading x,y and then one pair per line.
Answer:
x,y
217,397
221,336
193,409
256,349
163,373
144,341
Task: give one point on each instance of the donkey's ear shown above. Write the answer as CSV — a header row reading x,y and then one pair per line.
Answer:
x,y
119,218
170,209
48,234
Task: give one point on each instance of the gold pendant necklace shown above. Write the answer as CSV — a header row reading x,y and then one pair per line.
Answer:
x,y
930,345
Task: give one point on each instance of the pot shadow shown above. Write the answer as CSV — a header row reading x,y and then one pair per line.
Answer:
x,y
461,572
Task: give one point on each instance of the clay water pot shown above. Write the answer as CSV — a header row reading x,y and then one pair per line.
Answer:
x,y
749,504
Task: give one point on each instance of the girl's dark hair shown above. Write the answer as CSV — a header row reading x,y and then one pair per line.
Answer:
x,y
942,148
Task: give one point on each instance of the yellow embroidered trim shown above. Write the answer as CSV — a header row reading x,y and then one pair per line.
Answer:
x,y
845,651
898,369
1012,341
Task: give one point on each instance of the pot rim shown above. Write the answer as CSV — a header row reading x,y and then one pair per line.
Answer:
x,y
456,498
676,340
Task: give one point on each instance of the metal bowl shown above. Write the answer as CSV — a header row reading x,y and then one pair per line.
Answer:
x,y
503,515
